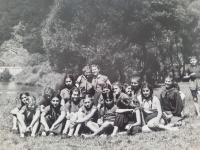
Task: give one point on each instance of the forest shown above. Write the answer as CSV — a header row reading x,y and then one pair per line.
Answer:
x,y
125,38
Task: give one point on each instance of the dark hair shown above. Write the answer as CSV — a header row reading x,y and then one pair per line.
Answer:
x,y
20,97
88,96
57,95
125,85
48,93
63,85
149,86
108,95
176,86
73,90
86,68
23,93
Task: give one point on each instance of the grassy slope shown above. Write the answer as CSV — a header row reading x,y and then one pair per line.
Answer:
x,y
186,138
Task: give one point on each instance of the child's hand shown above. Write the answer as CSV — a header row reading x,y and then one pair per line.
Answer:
x,y
24,129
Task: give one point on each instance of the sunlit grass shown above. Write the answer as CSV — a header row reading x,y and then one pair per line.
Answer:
x,y
187,137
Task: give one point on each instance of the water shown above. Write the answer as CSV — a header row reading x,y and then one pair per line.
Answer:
x,y
11,90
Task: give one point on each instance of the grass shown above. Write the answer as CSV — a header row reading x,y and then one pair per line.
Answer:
x,y
186,138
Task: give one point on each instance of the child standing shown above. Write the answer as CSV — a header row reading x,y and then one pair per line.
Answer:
x,y
98,82
27,117
193,73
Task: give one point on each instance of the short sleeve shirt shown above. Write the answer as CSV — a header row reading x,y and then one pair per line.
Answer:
x,y
58,110
65,94
74,107
99,82
86,112
122,101
192,69
109,114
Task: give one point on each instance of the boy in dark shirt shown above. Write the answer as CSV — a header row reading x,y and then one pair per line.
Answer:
x,y
193,73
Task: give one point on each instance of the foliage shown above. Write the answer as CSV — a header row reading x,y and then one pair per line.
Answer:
x,y
5,75
122,36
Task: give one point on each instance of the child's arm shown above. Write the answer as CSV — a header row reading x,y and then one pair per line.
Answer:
x,y
138,118
159,109
60,118
124,110
87,117
21,120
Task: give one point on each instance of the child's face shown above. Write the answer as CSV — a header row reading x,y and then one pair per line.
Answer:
x,y
87,73
31,103
88,103
75,96
117,90
109,102
55,102
128,90
134,83
95,71
68,82
146,92
168,82
24,99
193,61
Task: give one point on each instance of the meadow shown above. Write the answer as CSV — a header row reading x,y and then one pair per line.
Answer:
x,y
188,137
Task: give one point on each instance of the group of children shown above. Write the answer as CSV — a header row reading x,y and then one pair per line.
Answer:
x,y
92,106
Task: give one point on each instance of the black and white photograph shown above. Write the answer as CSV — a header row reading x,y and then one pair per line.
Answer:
x,y
99,74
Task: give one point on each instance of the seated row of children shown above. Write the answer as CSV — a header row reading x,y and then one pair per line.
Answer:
x,y
134,110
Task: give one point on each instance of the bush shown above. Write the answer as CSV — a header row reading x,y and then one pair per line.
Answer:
x,y
5,75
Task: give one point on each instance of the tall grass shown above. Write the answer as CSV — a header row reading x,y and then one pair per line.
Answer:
x,y
186,138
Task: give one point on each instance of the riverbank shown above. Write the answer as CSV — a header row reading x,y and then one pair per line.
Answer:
x,y
186,138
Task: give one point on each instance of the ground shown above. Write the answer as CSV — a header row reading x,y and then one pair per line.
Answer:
x,y
186,138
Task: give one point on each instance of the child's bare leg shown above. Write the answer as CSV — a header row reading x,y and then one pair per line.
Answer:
x,y
80,115
14,123
196,105
161,125
67,124
115,130
34,129
21,129
92,126
100,130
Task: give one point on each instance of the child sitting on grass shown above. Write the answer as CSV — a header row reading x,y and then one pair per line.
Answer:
x,y
52,117
23,97
152,111
72,107
27,117
171,101
127,111
88,115
108,113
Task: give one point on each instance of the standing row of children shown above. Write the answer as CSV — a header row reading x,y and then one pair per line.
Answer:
x,y
94,105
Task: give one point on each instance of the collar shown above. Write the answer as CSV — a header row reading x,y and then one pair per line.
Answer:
x,y
97,76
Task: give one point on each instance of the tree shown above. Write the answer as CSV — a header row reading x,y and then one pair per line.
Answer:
x,y
5,75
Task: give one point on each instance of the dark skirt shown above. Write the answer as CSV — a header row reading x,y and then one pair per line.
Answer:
x,y
121,121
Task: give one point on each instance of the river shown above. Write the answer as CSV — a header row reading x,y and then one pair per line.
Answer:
x,y
10,89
